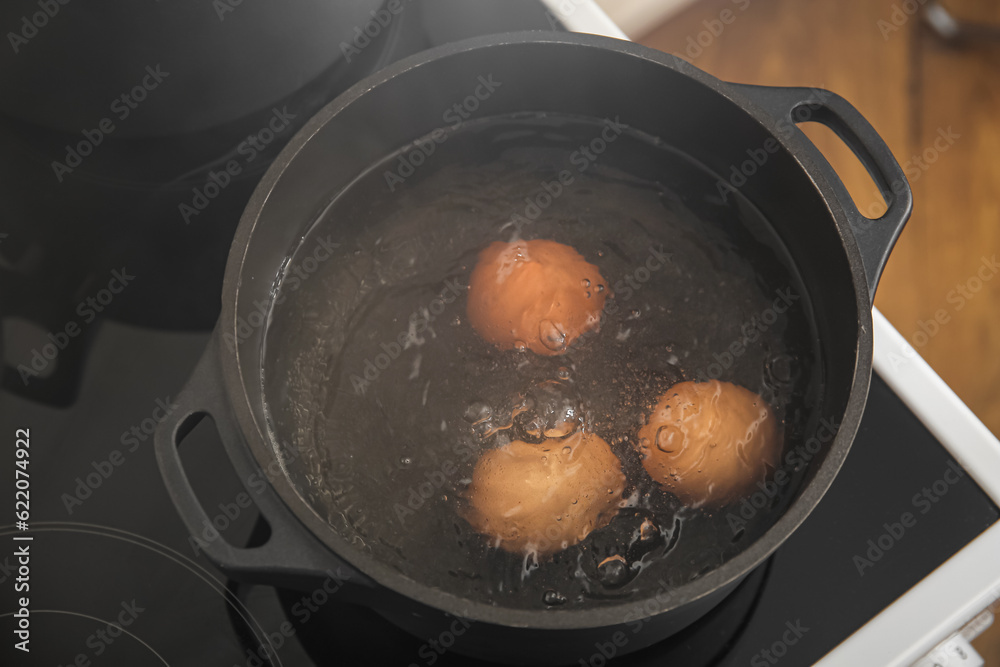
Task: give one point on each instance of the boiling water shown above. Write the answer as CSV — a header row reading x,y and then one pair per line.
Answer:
x,y
387,397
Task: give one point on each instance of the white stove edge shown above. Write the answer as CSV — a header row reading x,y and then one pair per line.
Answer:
x,y
968,582
960,588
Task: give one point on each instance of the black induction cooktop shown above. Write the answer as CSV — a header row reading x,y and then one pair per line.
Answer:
x,y
115,578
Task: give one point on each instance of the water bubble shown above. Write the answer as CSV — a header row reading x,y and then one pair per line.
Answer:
x,y
600,288
566,450
781,368
405,461
530,564
586,283
553,411
613,571
484,429
552,337
478,412
553,598
520,345
562,373
665,439
562,428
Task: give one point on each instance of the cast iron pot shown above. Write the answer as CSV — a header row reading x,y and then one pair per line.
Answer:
x,y
839,253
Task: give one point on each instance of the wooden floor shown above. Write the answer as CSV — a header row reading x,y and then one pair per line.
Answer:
x,y
913,88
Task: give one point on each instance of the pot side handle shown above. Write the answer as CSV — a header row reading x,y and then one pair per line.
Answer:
x,y
291,556
875,236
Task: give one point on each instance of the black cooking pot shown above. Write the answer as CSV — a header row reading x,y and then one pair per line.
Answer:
x,y
838,252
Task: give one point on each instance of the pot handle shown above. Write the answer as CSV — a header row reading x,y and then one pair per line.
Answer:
x,y
875,236
291,557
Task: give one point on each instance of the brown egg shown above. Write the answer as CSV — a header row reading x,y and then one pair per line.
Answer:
x,y
710,442
543,498
540,295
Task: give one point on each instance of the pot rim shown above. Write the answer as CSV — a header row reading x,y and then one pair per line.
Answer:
x,y
729,572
